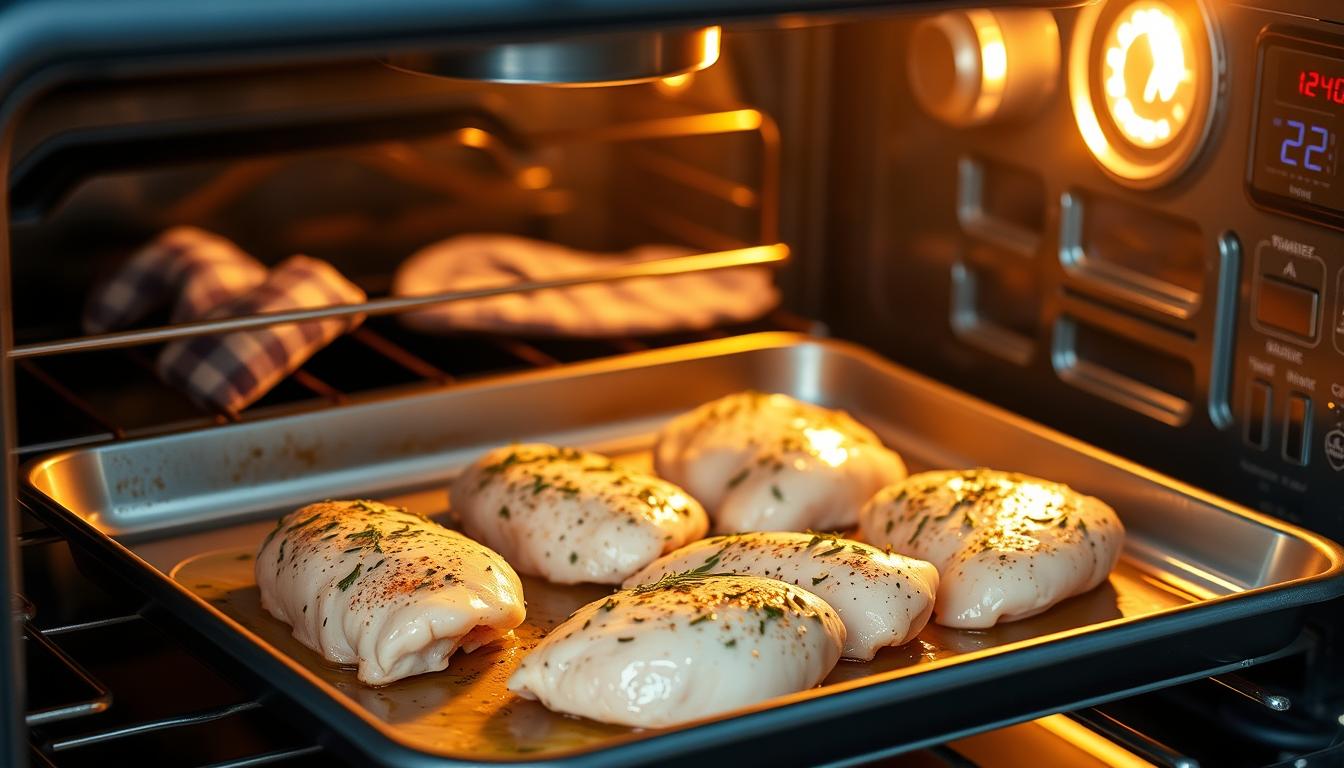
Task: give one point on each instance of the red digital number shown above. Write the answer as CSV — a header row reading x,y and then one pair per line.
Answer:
x,y
1307,84
1316,85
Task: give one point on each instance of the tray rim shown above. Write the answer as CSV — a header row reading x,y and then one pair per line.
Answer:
x,y
327,703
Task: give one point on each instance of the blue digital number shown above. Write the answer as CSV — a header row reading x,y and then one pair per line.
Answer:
x,y
1291,143
1317,148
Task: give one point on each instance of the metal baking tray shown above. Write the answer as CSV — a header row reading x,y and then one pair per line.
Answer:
x,y
1204,585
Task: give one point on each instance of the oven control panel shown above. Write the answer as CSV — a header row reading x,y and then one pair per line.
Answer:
x,y
1152,261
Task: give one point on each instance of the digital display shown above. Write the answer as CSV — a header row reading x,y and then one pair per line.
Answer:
x,y
1298,125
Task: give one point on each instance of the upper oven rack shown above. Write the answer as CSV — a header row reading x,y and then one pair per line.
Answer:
x,y
773,253
520,157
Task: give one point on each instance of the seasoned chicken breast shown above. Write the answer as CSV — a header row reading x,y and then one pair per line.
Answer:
x,y
691,645
372,585
762,462
572,516
883,598
1007,546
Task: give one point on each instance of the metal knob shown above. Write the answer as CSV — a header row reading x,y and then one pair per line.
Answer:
x,y
976,67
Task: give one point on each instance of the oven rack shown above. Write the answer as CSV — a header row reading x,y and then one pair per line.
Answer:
x,y
521,159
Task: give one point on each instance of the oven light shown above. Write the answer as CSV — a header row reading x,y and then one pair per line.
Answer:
x,y
710,53
670,86
1102,749
993,62
1149,86
1144,82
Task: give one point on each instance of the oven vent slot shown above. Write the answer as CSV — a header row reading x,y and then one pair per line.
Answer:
x,y
1139,376
1154,261
1001,204
996,303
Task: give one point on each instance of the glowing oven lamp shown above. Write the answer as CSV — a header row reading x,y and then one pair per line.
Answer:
x,y
1149,86
1143,81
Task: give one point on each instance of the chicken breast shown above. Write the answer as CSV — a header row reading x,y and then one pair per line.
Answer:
x,y
392,593
572,516
883,598
1007,546
689,646
762,462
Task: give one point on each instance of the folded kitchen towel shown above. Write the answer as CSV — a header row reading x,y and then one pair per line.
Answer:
x,y
193,269
231,371
639,306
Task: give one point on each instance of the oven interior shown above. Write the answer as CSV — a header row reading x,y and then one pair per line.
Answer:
x,y
998,257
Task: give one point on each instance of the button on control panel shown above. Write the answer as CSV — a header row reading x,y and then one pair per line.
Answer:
x,y
1287,307
1259,405
1297,429
1287,295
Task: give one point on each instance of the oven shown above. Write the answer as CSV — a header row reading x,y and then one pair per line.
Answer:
x,y
1097,241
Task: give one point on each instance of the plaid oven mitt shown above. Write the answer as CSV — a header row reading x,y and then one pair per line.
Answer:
x,y
205,276
192,268
231,371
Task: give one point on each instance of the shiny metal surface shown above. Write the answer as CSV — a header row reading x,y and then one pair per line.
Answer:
x,y
606,59
193,506
701,262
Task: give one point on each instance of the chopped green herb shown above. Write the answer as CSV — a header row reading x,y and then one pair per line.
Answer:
x,y
773,612
275,530
1082,526
301,524
818,579
281,558
369,537
680,581
831,551
345,583
624,639
702,617
609,605
504,512
737,479
573,557
923,521
730,643
774,491
890,524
